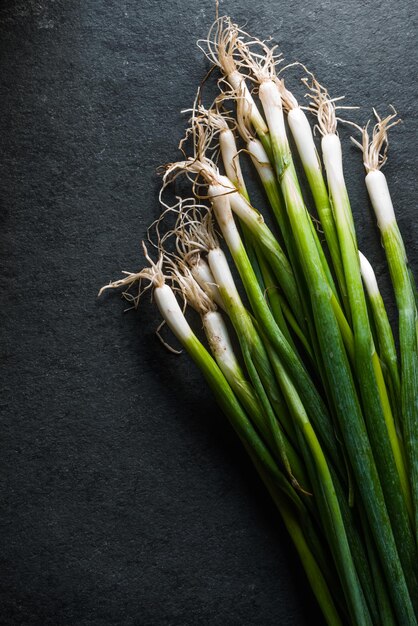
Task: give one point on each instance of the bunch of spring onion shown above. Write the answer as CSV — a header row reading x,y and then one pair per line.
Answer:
x,y
298,348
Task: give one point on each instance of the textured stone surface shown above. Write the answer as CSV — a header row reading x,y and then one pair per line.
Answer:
x,y
126,498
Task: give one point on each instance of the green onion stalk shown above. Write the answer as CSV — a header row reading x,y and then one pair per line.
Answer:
x,y
307,152
254,400
222,202
385,338
262,68
281,309
220,47
374,156
262,163
331,509
255,359
232,301
335,361
378,415
285,498
261,158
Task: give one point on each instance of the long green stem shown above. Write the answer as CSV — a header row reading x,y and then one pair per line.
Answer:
x,y
357,551
377,411
405,299
222,350
386,342
312,400
273,478
281,310
302,134
335,361
313,571
394,248
265,239
386,616
330,509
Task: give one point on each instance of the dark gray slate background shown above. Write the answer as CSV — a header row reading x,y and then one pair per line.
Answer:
x,y
125,497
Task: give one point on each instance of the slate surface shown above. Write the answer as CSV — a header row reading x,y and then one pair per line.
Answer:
x,y
125,497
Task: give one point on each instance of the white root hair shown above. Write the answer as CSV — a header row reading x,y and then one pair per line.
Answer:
x,y
220,45
375,149
195,233
200,171
236,52
322,105
195,169
288,99
184,282
153,275
195,236
257,59
202,133
206,125
214,118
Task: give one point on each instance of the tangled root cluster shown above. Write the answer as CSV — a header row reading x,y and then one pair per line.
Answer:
x,y
375,149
